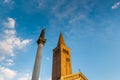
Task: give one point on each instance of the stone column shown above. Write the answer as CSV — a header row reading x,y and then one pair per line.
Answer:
x,y
37,64
36,69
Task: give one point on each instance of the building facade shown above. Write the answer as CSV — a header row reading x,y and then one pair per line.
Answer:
x,y
62,66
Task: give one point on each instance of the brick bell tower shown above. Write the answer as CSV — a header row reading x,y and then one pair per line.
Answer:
x,y
61,60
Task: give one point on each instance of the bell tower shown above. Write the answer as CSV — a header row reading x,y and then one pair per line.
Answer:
x,y
61,60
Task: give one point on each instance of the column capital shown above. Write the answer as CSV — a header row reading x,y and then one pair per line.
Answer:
x,y
41,41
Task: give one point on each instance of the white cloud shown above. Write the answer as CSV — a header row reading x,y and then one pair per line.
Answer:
x,y
10,23
9,74
6,73
21,43
26,76
9,62
6,48
116,5
9,42
8,45
77,18
1,78
66,11
9,32
6,1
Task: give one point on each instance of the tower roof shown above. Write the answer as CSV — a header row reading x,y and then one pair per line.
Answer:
x,y
61,40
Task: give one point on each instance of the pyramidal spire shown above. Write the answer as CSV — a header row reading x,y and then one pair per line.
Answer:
x,y
61,40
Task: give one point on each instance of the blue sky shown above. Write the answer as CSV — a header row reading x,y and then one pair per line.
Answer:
x,y
91,28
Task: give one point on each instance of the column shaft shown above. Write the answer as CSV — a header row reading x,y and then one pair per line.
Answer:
x,y
36,70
